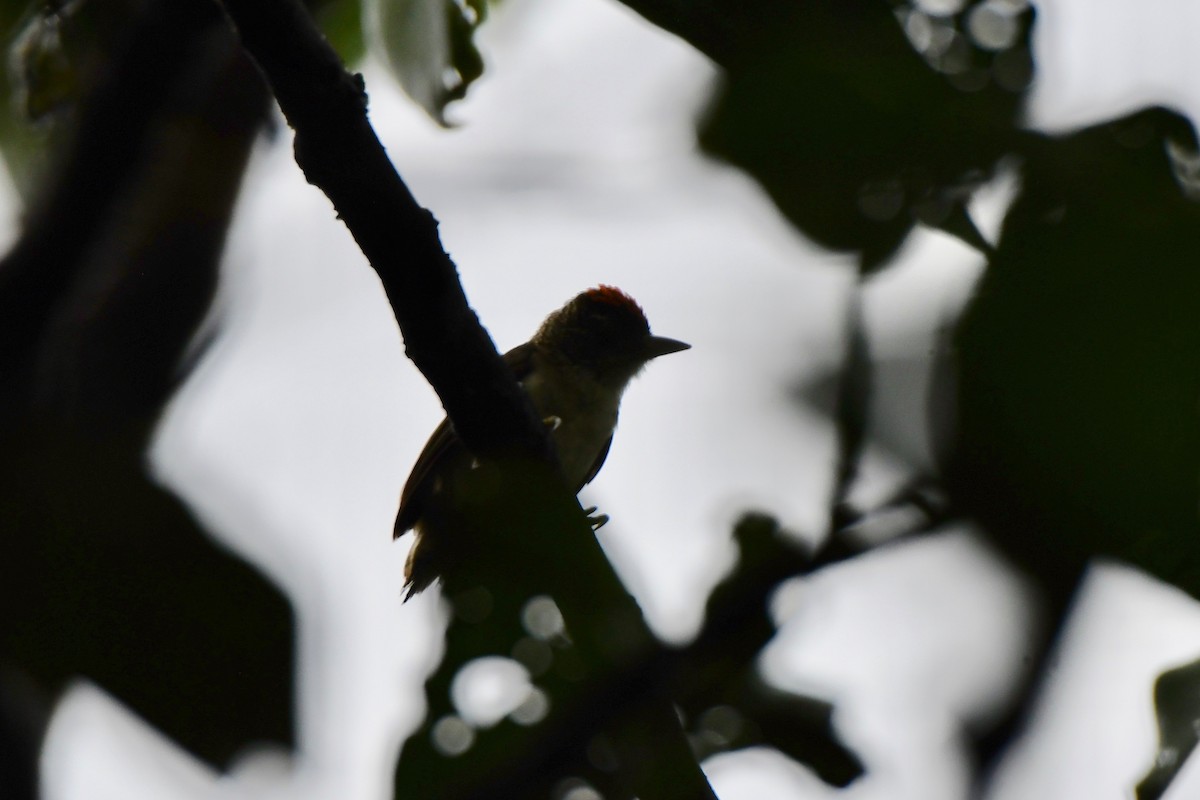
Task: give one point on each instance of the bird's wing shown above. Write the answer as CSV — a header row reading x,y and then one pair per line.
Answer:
x,y
596,465
520,360
444,447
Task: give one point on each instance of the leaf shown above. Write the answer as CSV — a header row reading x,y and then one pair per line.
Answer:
x,y
429,47
1076,359
341,22
58,52
852,151
34,51
1177,701
60,49
115,580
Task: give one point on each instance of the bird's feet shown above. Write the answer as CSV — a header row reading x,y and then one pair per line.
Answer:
x,y
552,422
597,520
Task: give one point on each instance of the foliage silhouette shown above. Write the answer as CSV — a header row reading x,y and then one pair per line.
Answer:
x,y
103,573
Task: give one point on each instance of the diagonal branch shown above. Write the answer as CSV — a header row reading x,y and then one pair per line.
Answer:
x,y
537,518
341,155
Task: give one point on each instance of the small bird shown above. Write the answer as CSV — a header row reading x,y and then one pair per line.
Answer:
x,y
575,369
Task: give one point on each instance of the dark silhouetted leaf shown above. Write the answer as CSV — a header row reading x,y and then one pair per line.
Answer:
x,y
1077,361
854,150
430,49
104,575
1077,379
1177,703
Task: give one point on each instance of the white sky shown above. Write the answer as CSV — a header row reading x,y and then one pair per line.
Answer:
x,y
574,166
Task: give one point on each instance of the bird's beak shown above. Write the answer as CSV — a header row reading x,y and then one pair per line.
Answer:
x,y
660,346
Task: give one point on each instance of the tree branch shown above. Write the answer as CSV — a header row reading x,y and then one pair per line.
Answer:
x,y
537,520
341,155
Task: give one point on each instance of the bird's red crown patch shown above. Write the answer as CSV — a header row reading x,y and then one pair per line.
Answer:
x,y
615,297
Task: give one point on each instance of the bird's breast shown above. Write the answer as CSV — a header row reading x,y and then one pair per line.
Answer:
x,y
588,412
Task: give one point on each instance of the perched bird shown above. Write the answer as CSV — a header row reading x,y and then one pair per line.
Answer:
x,y
575,369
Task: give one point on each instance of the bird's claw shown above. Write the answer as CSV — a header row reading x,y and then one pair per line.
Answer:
x,y
552,422
597,521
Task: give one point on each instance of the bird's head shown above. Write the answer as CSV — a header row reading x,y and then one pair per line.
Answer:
x,y
604,331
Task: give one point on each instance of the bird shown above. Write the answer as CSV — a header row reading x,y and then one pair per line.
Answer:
x,y
574,369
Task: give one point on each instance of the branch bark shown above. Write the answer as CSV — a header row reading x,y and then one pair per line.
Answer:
x,y
536,516
340,154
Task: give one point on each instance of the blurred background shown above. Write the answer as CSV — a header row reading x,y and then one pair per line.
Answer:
x,y
938,264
